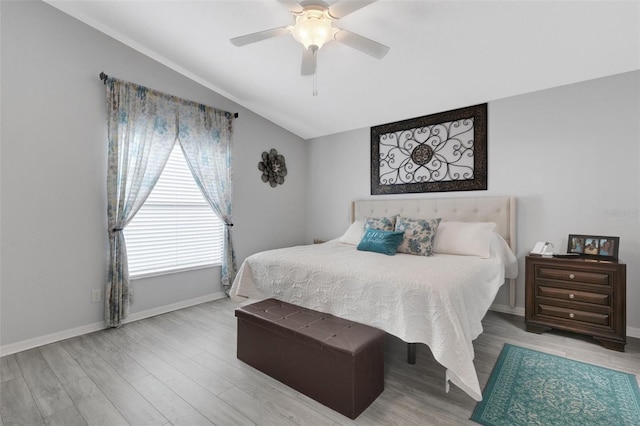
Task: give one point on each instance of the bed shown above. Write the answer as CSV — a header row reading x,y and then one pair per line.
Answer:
x,y
437,300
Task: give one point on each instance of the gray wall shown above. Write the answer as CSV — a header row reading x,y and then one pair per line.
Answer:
x,y
53,176
571,156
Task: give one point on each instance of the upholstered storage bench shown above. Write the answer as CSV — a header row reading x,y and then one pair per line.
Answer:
x,y
338,363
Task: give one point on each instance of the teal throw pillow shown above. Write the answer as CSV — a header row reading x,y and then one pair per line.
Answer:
x,y
385,242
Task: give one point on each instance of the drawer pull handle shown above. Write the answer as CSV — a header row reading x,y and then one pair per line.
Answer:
x,y
571,296
571,315
572,276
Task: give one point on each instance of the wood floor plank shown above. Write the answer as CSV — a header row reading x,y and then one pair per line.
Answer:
x,y
208,322
157,327
208,331
256,410
67,417
97,410
116,358
17,406
187,366
133,406
212,407
291,403
174,408
172,325
44,385
130,346
92,404
61,363
279,396
81,388
9,368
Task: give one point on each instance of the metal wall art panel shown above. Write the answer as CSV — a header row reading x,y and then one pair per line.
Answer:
x,y
435,153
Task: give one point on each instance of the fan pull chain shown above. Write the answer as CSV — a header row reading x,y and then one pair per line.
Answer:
x,y
315,84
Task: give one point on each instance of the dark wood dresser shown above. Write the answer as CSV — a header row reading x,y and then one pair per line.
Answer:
x,y
578,295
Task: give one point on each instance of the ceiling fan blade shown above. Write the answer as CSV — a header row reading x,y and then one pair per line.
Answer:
x,y
291,5
362,44
343,8
309,62
259,36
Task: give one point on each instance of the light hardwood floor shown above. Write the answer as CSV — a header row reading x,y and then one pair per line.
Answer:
x,y
180,368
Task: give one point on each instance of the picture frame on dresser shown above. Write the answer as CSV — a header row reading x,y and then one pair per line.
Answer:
x,y
600,247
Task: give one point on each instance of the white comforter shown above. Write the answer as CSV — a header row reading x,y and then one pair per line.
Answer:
x,y
439,300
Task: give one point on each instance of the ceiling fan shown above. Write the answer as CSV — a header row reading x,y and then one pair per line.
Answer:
x,y
313,27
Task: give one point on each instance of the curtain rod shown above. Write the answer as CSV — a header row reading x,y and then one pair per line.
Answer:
x,y
104,78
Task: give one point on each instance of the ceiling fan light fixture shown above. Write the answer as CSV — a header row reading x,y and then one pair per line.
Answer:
x,y
313,28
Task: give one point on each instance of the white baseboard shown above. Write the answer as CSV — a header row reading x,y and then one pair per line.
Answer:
x,y
173,307
90,328
631,331
49,338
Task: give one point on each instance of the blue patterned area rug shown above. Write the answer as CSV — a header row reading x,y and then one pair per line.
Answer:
x,y
528,387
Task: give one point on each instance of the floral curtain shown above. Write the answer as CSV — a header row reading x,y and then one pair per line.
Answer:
x,y
205,137
141,133
143,126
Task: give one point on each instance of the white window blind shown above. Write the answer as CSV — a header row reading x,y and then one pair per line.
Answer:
x,y
175,229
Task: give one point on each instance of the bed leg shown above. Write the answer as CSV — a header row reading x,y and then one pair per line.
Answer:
x,y
411,353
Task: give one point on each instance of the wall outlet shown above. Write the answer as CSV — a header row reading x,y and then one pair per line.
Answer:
x,y
96,295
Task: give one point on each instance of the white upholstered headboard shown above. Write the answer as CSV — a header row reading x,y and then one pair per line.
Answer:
x,y
501,210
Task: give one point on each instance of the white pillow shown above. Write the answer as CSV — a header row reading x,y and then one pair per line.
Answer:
x,y
464,238
354,233
500,249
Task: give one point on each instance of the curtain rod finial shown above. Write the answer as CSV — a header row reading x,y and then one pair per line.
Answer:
x,y
103,77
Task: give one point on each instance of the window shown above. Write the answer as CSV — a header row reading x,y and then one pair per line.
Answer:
x,y
175,229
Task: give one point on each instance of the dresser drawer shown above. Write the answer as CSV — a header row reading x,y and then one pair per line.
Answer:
x,y
573,275
574,315
601,299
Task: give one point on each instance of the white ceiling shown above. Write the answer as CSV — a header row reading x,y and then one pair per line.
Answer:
x,y
444,54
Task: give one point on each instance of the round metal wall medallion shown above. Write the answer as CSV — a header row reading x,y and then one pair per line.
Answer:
x,y
422,154
273,168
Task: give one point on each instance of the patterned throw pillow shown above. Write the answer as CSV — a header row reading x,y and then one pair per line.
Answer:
x,y
385,242
419,235
382,223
